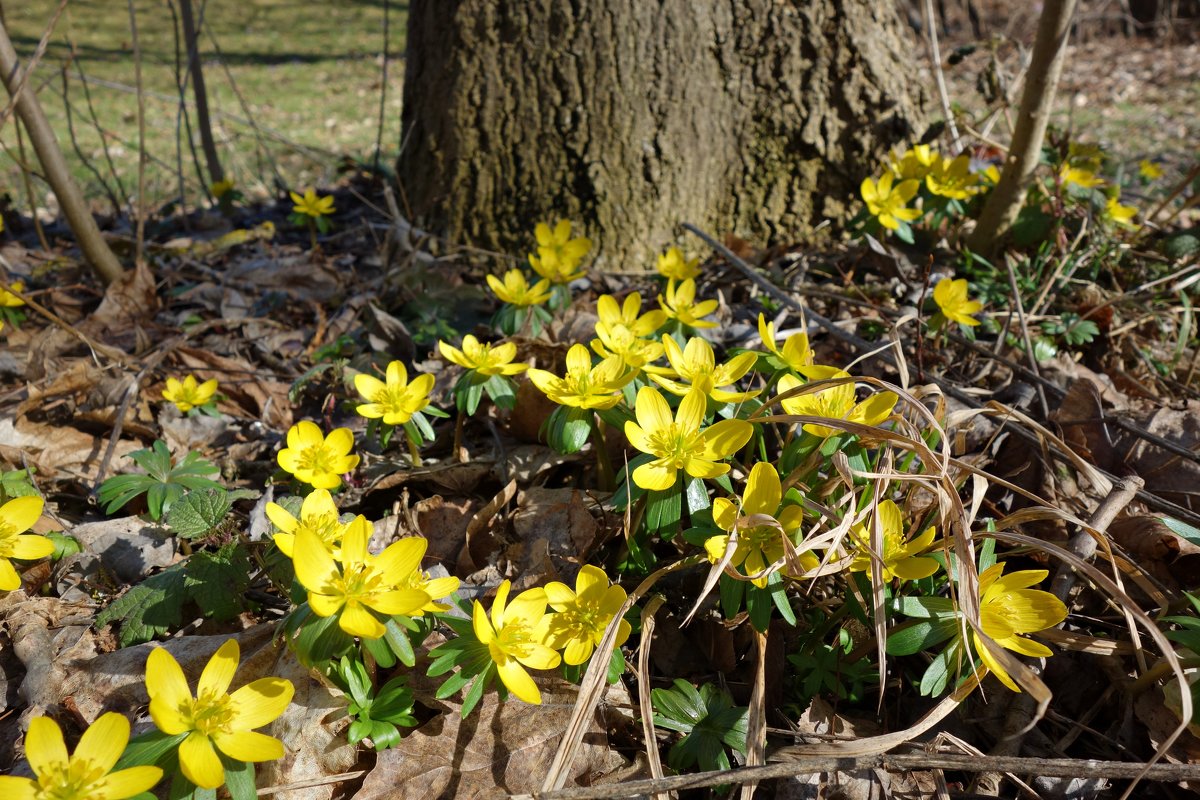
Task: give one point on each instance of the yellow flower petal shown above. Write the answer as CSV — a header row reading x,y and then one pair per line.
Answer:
x,y
249,746
14,788
104,741
518,681
22,512
44,746
199,761
218,672
127,782
260,702
168,690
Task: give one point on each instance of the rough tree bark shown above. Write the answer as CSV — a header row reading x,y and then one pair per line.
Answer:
x,y
757,118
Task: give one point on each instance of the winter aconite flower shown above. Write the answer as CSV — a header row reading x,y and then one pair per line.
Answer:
x,y
760,523
915,163
1149,171
309,205
795,353
17,516
215,719
10,300
221,188
558,255
1007,608
888,203
952,178
628,314
188,393
85,774
673,266
513,635
679,443
395,399
515,290
836,402
695,364
1078,176
900,558
581,616
364,583
952,300
680,304
315,459
318,515
584,386
484,359
1118,214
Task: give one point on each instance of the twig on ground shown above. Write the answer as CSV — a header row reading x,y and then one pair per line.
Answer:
x,y
939,75
1016,295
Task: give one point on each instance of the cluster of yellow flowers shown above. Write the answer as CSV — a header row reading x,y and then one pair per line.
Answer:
x,y
544,626
905,174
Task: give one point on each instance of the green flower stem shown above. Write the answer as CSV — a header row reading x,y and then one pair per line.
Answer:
x,y
312,232
414,452
604,467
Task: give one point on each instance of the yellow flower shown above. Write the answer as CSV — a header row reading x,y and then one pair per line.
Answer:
x,y
214,717
7,298
516,291
189,394
513,639
674,266
952,178
914,164
484,358
580,616
1077,176
697,365
17,516
315,459
310,205
436,588
901,558
952,300
680,305
836,402
1008,607
679,443
396,400
887,203
628,314
1118,214
84,775
559,255
365,583
620,342
760,524
584,386
220,188
318,516
1149,170
795,353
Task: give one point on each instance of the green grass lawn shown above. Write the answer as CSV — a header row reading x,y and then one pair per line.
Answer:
x,y
310,75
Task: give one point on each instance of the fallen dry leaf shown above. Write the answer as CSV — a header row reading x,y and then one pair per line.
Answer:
x,y
502,748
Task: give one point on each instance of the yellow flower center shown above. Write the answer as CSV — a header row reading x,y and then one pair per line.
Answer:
x,y
359,582
210,713
318,457
325,527
78,780
393,398
582,620
673,444
8,538
515,640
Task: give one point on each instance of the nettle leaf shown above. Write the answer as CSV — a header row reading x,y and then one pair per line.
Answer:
x,y
149,609
17,483
217,580
199,513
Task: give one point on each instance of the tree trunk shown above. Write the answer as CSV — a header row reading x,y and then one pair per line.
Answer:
x,y
757,118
